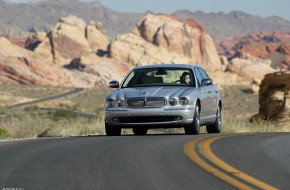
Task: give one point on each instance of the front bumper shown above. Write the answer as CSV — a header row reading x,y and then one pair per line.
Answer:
x,y
166,117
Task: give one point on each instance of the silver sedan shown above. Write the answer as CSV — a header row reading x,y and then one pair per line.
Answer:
x,y
164,96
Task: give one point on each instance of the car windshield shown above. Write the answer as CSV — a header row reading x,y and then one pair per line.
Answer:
x,y
159,77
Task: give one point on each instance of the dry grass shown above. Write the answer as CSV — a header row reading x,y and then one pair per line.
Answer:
x,y
27,124
34,122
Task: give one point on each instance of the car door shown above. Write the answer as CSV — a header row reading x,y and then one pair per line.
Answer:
x,y
203,95
211,95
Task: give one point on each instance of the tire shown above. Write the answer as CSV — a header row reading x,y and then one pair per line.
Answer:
x,y
194,127
216,127
140,131
112,131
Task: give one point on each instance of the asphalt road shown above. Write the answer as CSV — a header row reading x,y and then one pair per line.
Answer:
x,y
139,162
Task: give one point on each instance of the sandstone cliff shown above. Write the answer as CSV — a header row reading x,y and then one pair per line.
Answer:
x,y
22,66
70,39
160,38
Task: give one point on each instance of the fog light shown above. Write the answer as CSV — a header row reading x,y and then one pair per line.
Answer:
x,y
177,118
115,119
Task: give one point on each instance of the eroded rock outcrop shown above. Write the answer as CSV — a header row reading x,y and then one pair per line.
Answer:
x,y
96,36
21,66
134,50
70,39
160,38
274,98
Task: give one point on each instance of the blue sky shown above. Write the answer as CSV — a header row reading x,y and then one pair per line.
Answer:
x,y
263,8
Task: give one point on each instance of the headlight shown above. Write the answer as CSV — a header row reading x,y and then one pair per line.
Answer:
x,y
183,101
121,103
110,103
172,101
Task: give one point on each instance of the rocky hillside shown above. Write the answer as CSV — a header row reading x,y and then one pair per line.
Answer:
x,y
43,15
271,47
76,53
83,52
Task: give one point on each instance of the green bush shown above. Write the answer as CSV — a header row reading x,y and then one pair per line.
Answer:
x,y
4,134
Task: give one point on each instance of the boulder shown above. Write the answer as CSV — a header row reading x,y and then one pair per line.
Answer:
x,y
274,98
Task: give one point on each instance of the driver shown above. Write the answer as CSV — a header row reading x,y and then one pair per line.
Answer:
x,y
185,78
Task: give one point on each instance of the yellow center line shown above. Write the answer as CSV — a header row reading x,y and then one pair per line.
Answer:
x,y
204,148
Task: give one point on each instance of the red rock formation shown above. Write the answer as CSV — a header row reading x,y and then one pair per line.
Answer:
x,y
264,45
259,50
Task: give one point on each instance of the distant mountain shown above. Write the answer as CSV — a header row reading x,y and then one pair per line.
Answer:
x,y
224,26
20,19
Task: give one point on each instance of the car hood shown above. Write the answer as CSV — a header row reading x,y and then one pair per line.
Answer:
x,y
167,92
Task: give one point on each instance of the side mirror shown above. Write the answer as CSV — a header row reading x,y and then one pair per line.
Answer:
x,y
114,84
206,82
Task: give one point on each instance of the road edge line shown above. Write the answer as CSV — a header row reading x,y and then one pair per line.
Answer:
x,y
205,149
189,150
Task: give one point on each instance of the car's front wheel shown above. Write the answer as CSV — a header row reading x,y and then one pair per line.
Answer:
x,y
112,131
194,127
140,131
216,127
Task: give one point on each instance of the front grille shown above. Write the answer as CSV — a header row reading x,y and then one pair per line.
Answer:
x,y
146,102
136,103
150,119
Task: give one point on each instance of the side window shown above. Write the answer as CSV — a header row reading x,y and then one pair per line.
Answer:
x,y
203,73
198,76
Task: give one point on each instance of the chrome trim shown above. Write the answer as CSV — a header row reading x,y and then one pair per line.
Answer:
x,y
145,100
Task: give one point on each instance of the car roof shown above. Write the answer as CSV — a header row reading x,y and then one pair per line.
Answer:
x,y
184,66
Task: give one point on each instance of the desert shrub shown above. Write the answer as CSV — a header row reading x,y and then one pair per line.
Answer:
x,y
4,134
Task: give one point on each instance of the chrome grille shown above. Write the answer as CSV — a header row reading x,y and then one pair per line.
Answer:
x,y
136,103
155,103
146,102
